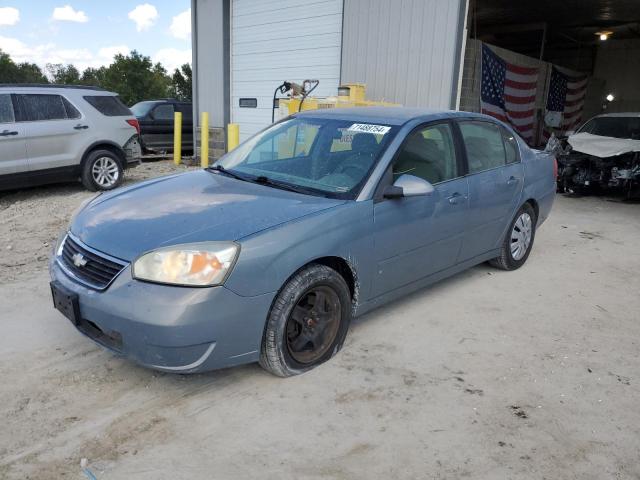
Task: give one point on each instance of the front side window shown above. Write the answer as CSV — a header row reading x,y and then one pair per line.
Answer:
x,y
484,146
428,153
36,107
6,109
302,152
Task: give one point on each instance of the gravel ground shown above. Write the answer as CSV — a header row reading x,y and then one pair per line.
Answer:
x,y
32,219
487,375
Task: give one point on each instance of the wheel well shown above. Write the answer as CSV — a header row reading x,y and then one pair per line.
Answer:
x,y
534,205
105,146
343,267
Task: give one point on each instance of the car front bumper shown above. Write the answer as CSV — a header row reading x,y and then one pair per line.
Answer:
x,y
174,329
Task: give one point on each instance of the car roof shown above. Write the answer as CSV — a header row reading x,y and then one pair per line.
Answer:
x,y
53,87
620,114
387,115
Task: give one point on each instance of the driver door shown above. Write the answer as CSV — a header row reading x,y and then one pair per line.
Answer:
x,y
418,236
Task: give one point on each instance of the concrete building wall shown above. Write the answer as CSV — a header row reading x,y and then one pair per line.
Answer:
x,y
406,51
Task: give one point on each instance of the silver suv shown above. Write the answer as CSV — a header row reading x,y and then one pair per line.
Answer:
x,y
53,133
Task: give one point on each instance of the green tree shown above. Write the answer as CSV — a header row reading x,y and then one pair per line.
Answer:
x,y
181,82
134,77
63,74
93,77
24,72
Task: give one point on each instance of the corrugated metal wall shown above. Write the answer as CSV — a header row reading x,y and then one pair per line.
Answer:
x,y
210,59
277,40
406,51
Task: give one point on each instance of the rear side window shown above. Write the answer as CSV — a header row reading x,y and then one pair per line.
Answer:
x,y
6,109
186,109
484,145
510,146
108,105
72,112
35,107
163,112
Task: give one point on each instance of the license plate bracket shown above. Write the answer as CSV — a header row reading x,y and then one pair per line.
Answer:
x,y
65,301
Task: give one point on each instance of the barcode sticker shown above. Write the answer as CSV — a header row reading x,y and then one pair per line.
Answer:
x,y
368,128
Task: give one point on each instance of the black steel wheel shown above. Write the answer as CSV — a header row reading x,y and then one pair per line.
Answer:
x,y
313,324
308,321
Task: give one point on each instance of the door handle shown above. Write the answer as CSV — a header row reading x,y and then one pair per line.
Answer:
x,y
6,133
455,198
512,180
81,127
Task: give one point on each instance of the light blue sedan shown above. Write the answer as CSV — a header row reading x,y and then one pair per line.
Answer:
x,y
319,218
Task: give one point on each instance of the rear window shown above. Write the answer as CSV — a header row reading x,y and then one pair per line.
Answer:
x,y
111,106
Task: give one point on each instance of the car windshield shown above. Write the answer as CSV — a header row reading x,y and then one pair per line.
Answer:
x,y
617,127
140,109
326,157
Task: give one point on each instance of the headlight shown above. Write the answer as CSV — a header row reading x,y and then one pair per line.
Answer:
x,y
194,264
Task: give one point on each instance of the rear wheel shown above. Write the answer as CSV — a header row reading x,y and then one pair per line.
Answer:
x,y
518,241
308,322
102,170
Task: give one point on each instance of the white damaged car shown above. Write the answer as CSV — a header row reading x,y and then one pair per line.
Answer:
x,y
603,155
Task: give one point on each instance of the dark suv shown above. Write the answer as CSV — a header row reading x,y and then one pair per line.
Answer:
x,y
156,124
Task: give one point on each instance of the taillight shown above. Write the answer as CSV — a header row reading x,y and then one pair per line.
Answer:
x,y
555,168
135,124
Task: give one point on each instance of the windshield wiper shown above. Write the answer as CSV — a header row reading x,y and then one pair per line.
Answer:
x,y
221,169
264,180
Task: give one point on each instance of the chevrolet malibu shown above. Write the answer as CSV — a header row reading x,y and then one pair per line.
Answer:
x,y
267,255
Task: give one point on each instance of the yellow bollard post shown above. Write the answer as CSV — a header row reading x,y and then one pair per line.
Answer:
x,y
204,140
177,137
233,136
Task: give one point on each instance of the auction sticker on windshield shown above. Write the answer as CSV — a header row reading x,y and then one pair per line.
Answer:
x,y
368,128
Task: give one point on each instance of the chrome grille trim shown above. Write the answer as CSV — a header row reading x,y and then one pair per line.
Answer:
x,y
100,269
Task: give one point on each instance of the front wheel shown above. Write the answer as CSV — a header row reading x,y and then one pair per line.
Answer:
x,y
518,241
308,322
102,170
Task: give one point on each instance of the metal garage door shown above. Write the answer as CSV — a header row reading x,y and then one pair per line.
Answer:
x,y
277,40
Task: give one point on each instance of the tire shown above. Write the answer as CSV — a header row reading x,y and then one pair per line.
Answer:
x,y
508,259
280,354
102,170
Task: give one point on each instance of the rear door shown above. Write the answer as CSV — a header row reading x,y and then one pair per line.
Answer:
x,y
187,124
159,133
53,126
13,144
496,180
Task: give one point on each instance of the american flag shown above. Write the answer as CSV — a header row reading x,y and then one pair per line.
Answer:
x,y
508,92
566,97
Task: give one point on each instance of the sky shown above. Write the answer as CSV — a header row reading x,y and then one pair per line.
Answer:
x,y
88,33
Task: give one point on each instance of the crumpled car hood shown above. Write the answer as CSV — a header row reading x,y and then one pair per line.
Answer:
x,y
191,207
602,147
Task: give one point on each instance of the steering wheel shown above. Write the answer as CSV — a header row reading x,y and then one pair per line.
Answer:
x,y
353,164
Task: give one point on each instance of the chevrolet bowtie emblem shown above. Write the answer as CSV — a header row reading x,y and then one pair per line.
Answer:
x,y
79,260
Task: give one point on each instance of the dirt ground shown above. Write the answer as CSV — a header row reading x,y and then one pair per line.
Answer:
x,y
32,219
487,375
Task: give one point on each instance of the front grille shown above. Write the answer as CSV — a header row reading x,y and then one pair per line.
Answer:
x,y
88,266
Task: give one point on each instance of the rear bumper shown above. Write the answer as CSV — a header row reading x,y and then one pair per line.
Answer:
x,y
133,151
172,329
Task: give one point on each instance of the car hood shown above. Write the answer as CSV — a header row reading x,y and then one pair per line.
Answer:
x,y
190,207
603,147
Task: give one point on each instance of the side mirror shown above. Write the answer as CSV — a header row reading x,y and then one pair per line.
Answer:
x,y
408,186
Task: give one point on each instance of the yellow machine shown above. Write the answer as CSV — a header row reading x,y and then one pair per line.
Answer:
x,y
349,95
